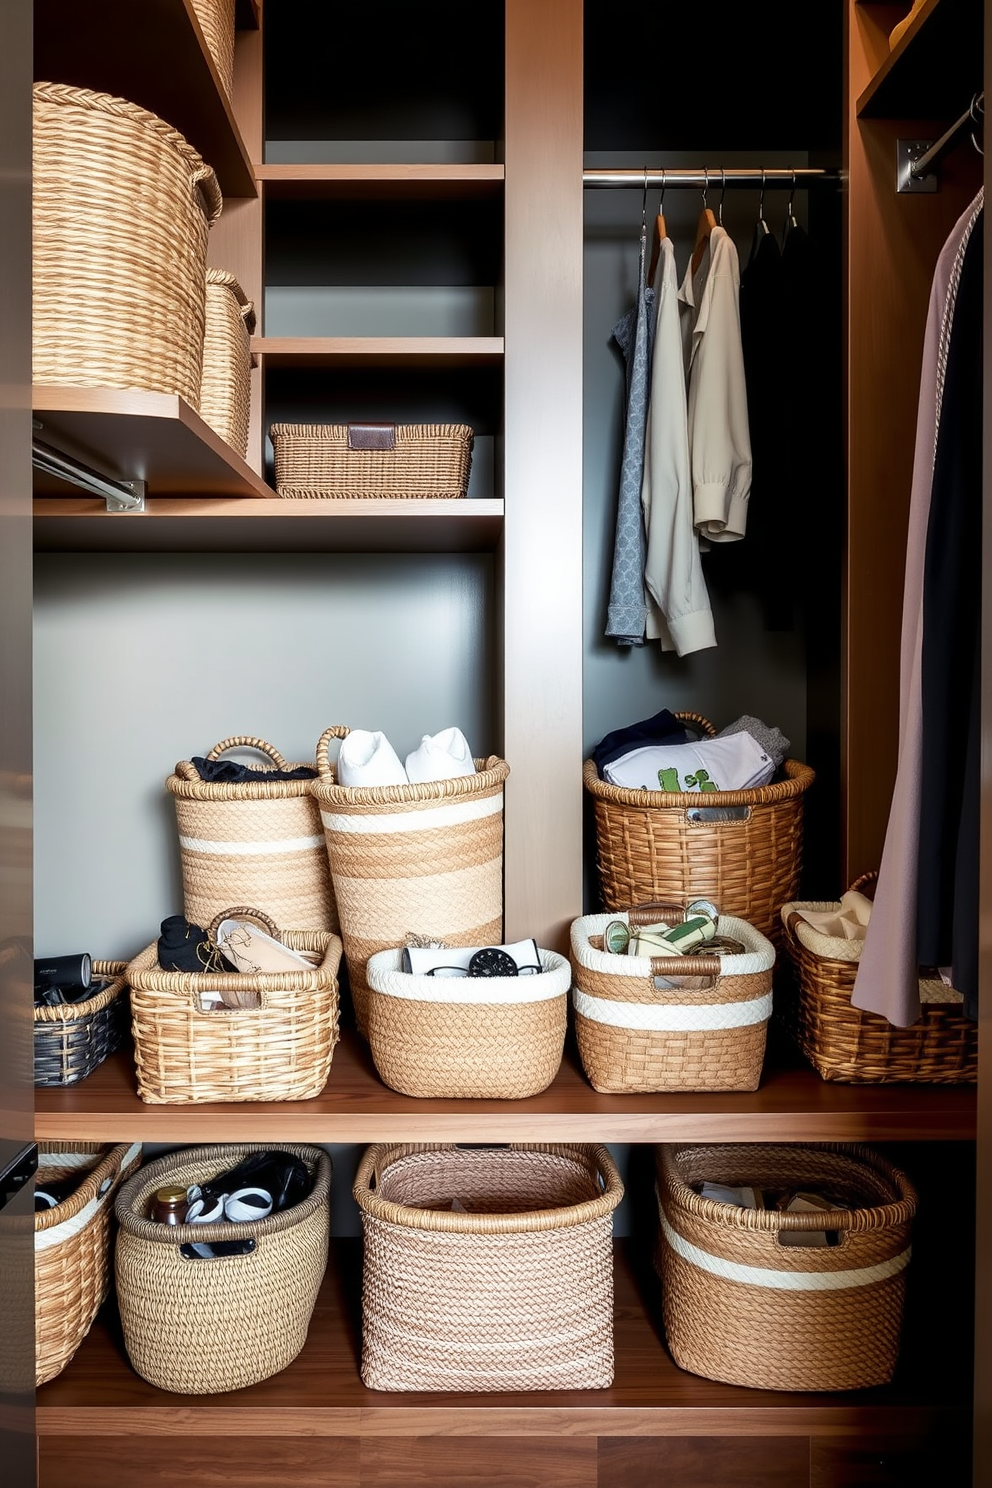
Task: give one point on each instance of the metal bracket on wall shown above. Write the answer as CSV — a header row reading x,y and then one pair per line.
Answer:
x,y
120,495
908,152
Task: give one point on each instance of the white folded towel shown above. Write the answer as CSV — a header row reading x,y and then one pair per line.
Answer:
x,y
369,759
730,763
440,757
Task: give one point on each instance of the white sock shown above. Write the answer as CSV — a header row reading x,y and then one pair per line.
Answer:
x,y
440,757
369,759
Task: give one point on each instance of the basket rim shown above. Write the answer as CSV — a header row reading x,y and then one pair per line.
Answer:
x,y
148,1178
769,1221
89,1188
405,433
241,790
224,279
384,964
445,1221
145,974
76,1012
798,779
489,773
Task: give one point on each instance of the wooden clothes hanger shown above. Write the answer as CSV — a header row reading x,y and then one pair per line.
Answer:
x,y
660,233
707,222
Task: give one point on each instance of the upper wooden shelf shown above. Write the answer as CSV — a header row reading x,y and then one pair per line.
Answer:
x,y
935,67
792,1105
133,435
397,351
383,182
154,54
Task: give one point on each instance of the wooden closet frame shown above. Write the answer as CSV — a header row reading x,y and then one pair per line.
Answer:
x,y
891,245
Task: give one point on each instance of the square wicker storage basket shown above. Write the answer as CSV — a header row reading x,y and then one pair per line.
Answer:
x,y
73,1038
370,460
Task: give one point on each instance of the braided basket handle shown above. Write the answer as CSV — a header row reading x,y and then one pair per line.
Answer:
x,y
653,911
205,181
670,967
248,741
244,912
865,884
336,731
700,722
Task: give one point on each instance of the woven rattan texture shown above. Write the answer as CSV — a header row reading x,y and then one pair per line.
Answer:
x,y
474,1308
428,460
73,1274
225,388
844,1043
121,209
216,18
280,1050
770,1336
70,1040
255,842
392,875
202,1326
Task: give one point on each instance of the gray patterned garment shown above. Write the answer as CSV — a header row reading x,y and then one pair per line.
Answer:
x,y
633,333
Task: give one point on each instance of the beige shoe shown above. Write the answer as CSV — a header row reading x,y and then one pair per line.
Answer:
x,y
898,31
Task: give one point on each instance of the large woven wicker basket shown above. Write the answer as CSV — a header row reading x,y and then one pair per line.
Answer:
x,y
216,18
645,1024
225,389
742,1307
424,858
487,1269
741,849
72,1038
352,460
279,1049
854,1047
72,1247
200,1326
254,842
487,1037
122,206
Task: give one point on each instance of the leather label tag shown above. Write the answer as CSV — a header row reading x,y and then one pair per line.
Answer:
x,y
371,436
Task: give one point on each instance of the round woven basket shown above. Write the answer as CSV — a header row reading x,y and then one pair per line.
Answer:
x,y
72,1247
510,1289
666,844
122,207
423,859
495,1037
254,842
663,1023
740,1306
72,1038
216,18
202,1326
225,389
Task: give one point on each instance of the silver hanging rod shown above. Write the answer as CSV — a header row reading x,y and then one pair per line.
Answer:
x,y
970,120
120,495
801,178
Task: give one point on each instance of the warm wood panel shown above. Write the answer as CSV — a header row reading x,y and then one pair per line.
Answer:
x,y
935,66
154,54
538,1462
204,525
197,1462
700,1462
379,182
396,351
891,1462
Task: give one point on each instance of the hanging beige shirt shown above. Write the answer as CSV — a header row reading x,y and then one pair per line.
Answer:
x,y
719,442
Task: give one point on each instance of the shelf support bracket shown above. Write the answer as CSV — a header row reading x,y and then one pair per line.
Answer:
x,y
120,495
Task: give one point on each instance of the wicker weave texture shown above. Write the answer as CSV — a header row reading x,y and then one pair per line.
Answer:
x,y
741,1307
494,1048
122,206
421,858
72,1249
428,460
202,1326
216,18
280,1050
225,388
255,842
515,1294
71,1039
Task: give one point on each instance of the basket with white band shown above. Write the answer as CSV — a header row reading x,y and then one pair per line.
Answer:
x,y
499,1037
671,1023
744,1306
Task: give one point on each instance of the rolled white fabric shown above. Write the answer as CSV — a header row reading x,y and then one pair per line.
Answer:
x,y
369,759
440,757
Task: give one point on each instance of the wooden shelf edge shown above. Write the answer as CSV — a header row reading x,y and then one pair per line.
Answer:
x,y
239,176
390,182
913,38
311,350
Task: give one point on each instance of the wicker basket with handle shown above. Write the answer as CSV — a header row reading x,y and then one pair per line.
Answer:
x,y
225,388
122,308
854,1047
487,1269
743,1307
371,460
740,849
72,1038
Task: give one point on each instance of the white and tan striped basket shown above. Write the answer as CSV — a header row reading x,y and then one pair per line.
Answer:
x,y
493,1037
254,842
422,859
695,1023
743,1307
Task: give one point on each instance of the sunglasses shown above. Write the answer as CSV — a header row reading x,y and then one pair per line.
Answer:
x,y
489,962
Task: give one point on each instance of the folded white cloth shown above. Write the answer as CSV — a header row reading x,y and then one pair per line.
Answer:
x,y
848,921
369,759
440,757
734,762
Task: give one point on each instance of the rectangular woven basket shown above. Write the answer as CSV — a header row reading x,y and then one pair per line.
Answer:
x,y
370,460
73,1038
487,1269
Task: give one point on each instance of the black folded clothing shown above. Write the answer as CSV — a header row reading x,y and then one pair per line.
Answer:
x,y
662,728
281,1174
228,772
183,946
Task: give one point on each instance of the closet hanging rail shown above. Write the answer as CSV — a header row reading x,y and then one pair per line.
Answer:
x,y
773,176
971,120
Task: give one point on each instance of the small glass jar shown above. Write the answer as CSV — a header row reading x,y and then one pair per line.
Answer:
x,y
169,1205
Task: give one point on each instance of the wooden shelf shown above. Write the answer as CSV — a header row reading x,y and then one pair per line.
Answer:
x,y
154,437
382,182
154,54
393,351
923,77
792,1105
204,525
321,1394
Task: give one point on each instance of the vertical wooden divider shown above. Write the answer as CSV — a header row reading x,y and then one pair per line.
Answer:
x,y
543,492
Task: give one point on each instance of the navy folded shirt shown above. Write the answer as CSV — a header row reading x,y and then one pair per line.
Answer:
x,y
663,728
